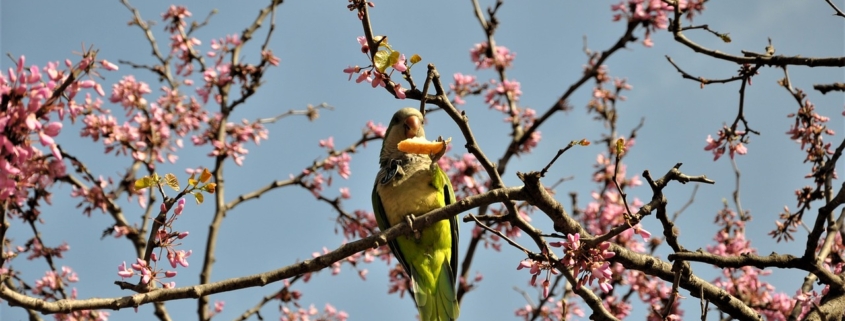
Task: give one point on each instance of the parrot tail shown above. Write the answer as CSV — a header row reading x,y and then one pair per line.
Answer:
x,y
442,303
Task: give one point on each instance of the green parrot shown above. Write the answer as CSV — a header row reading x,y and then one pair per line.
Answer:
x,y
413,184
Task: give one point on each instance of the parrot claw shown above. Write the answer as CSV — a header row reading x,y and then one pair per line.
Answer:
x,y
436,157
410,220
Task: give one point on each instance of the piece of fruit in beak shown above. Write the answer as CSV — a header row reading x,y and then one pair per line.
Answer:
x,y
420,145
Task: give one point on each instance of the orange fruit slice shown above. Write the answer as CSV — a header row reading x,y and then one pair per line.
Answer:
x,y
419,145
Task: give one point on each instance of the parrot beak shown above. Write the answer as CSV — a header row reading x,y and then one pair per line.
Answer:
x,y
412,126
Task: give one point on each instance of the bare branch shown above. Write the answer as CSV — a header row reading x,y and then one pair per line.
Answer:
x,y
262,279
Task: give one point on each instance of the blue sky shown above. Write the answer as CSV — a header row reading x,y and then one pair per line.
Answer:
x,y
316,40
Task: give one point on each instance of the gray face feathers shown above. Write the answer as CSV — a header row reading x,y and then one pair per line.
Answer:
x,y
406,123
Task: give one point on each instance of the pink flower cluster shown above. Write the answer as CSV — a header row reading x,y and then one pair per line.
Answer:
x,y
219,47
238,134
399,281
360,226
183,114
146,135
465,173
607,211
51,287
536,268
218,308
336,161
375,130
358,6
94,197
745,282
606,168
463,86
809,129
728,140
553,310
52,281
497,97
604,98
33,99
330,313
372,75
651,290
653,14
501,57
180,43
588,263
165,238
36,249
291,310
146,273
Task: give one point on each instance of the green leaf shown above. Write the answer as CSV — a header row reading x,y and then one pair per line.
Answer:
x,y
393,59
381,60
415,58
143,182
172,181
620,146
725,37
199,197
382,41
192,180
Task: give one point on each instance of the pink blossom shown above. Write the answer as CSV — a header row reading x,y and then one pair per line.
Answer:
x,y
270,58
328,143
502,57
365,48
364,76
351,71
178,257
377,130
180,206
400,64
108,65
120,231
400,92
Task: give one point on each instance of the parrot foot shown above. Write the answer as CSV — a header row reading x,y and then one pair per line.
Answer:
x,y
438,155
410,220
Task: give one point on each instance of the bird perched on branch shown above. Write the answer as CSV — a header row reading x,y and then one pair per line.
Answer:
x,y
411,184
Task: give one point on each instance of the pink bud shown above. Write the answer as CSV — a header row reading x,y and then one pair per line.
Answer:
x,y
53,129
180,205
546,288
87,83
99,90
21,62
183,235
45,139
34,75
108,65
170,274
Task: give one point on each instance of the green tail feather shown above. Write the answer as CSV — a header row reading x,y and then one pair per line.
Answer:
x,y
442,303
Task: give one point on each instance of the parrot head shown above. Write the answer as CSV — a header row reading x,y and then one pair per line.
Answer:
x,y
406,123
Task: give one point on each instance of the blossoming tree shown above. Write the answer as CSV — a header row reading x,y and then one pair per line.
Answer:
x,y
617,256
